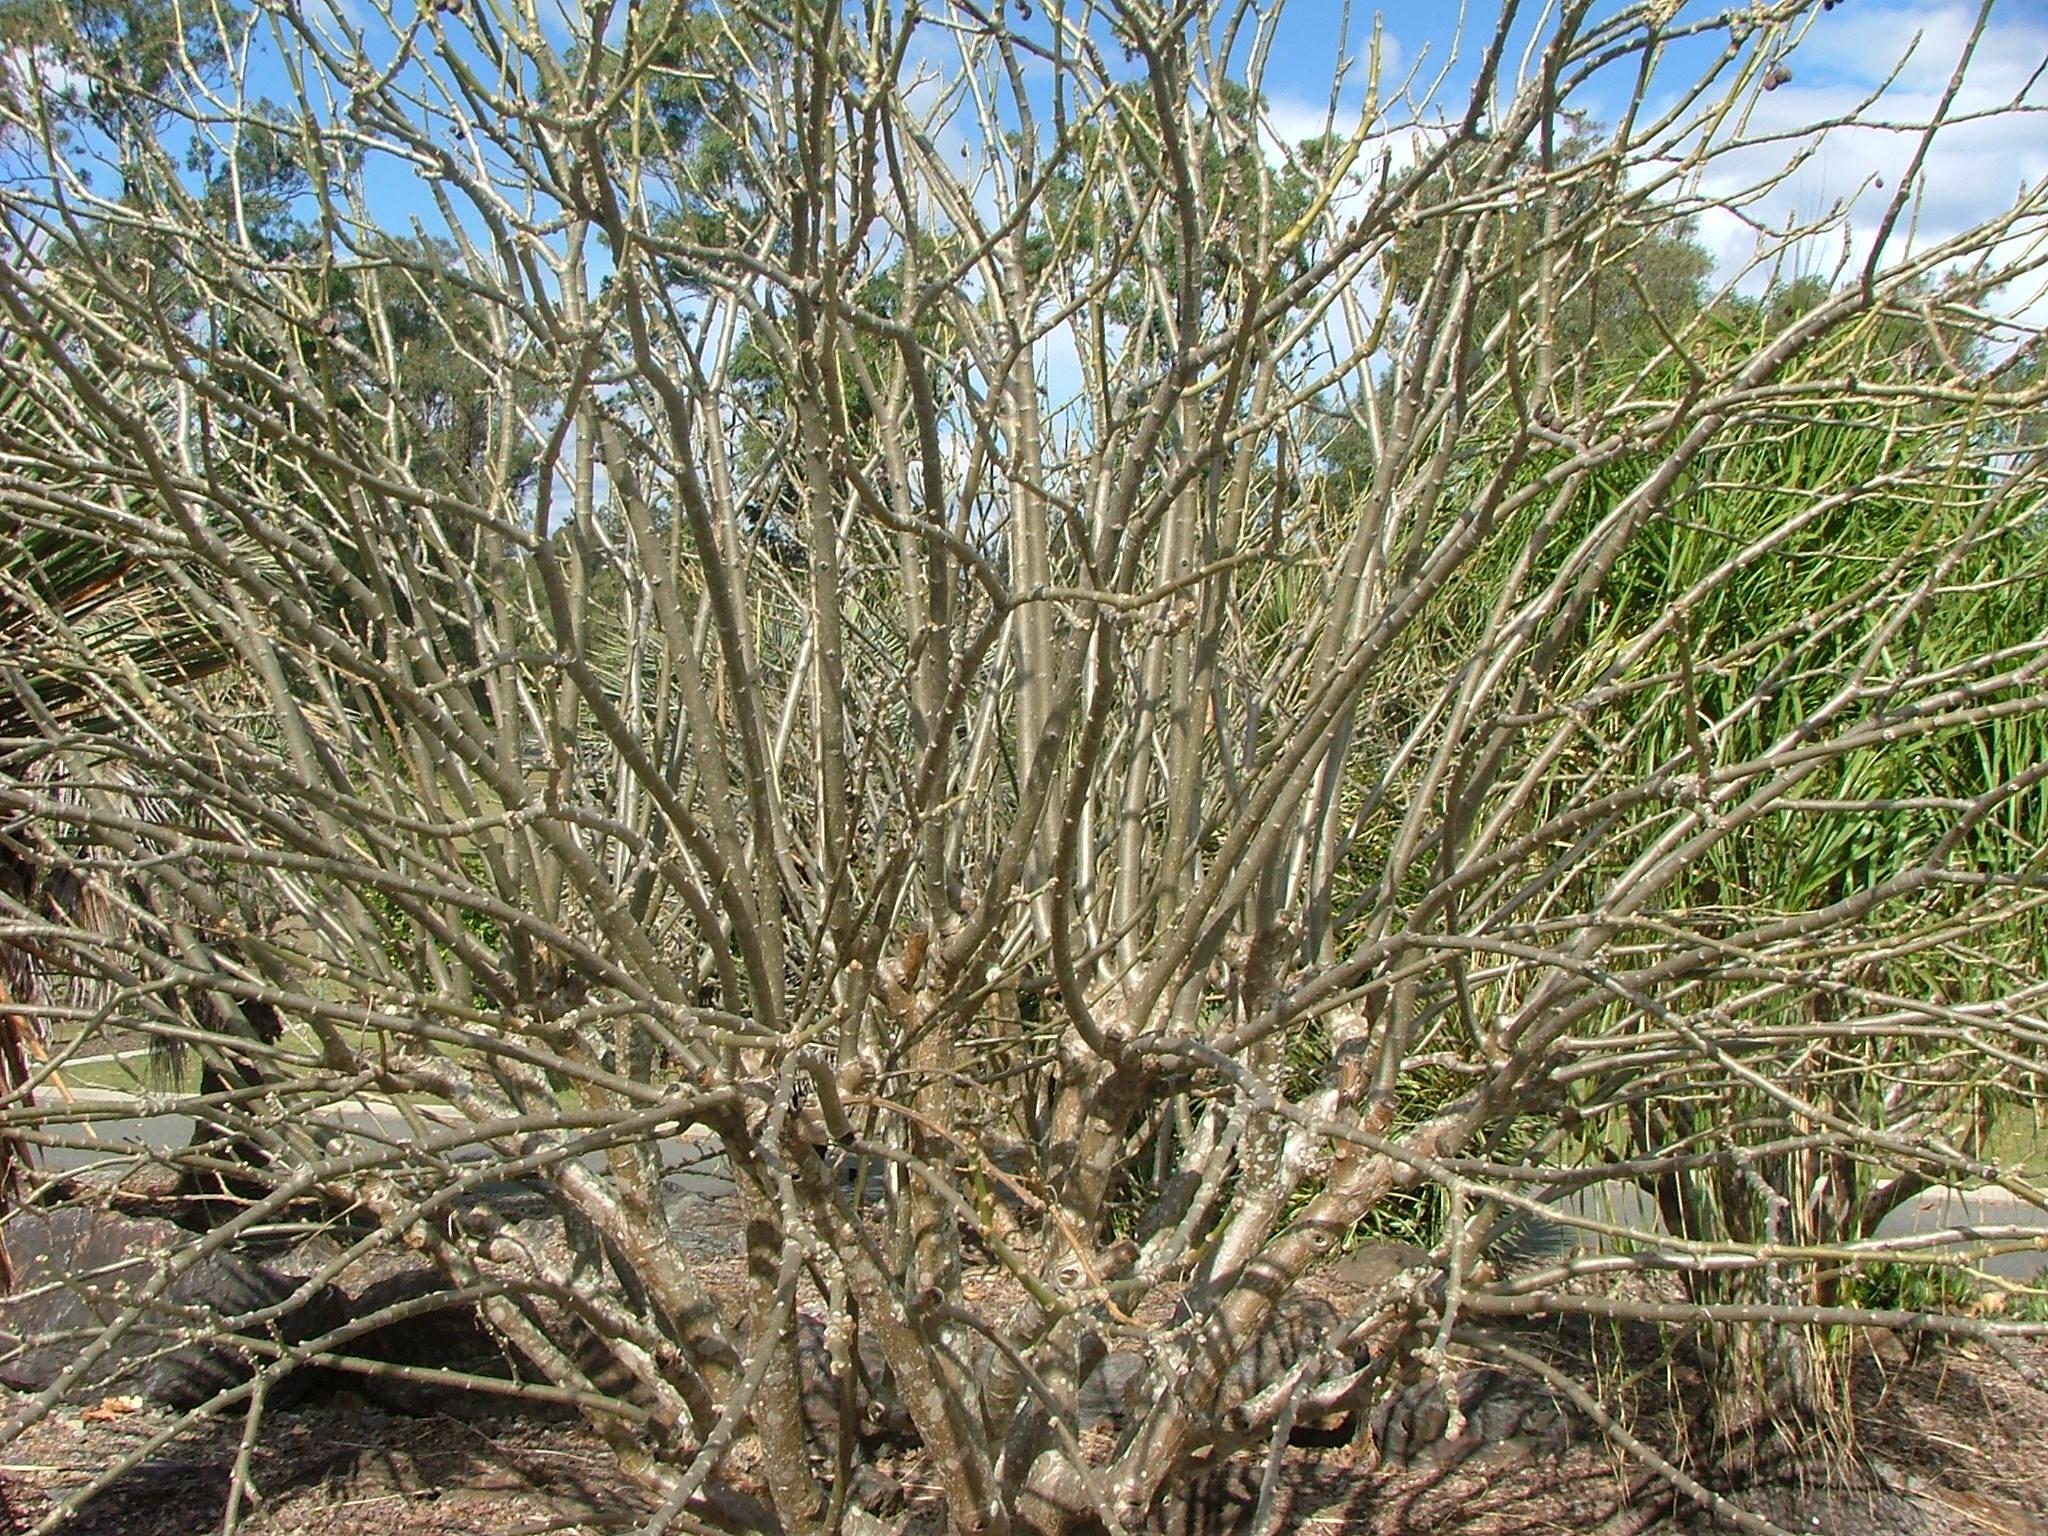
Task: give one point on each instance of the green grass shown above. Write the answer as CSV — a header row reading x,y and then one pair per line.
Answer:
x,y
2019,1142
129,1072
1910,1288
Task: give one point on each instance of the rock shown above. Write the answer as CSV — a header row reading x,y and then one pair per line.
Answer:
x,y
881,1416
1107,1394
1374,1266
876,1491
393,1294
77,1270
1503,1415
1298,1326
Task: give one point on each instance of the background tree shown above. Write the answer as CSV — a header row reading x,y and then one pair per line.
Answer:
x,y
1117,858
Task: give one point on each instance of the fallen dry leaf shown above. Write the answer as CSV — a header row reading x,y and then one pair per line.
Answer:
x,y
110,1408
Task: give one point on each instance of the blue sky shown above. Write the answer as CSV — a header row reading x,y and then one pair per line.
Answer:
x,y
1844,53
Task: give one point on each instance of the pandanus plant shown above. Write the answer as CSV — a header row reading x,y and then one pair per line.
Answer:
x,y
1831,631
80,607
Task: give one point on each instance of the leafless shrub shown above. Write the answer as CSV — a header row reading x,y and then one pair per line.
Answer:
x,y
1083,693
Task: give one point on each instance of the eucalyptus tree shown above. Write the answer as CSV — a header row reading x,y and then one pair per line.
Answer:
x,y
1100,860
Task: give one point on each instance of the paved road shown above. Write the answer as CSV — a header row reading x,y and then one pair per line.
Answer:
x,y
692,1165
1982,1212
695,1170
1989,1208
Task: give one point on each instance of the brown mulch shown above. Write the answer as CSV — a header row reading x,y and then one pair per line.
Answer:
x,y
341,1466
1950,1442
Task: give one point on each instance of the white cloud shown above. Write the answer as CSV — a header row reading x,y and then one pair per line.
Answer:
x,y
1865,43
45,71
1293,114
1994,147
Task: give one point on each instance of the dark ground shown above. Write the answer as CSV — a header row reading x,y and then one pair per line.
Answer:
x,y
1950,1441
